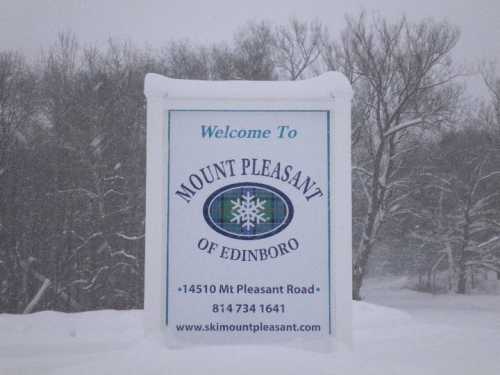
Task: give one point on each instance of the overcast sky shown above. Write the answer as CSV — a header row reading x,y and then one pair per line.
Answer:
x,y
28,25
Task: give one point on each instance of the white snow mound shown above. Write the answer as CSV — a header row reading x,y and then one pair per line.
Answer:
x,y
434,336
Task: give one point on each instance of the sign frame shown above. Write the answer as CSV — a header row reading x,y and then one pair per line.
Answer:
x,y
330,92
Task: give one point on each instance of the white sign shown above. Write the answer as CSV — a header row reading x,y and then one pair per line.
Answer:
x,y
248,210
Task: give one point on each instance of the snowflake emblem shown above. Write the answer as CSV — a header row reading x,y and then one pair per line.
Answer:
x,y
248,211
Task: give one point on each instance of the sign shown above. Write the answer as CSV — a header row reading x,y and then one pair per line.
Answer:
x,y
248,210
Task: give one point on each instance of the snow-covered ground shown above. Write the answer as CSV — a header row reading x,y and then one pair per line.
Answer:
x,y
396,331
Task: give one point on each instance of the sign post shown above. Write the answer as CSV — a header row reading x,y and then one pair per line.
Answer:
x,y
248,211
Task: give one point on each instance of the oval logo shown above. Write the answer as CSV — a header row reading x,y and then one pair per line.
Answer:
x,y
248,211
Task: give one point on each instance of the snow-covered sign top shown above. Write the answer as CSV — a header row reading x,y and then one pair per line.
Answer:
x,y
325,87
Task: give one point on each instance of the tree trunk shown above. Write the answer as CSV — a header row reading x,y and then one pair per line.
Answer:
x,y
462,280
359,270
38,297
498,275
374,214
462,271
451,267
357,282
472,280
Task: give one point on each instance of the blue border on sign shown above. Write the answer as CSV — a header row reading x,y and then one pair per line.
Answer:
x,y
328,147
329,224
168,219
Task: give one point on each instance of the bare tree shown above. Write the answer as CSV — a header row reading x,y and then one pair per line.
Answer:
x,y
95,104
18,112
253,50
403,74
186,61
297,47
492,82
462,183
18,102
222,60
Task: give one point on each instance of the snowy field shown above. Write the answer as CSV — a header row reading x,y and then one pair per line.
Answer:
x,y
396,331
